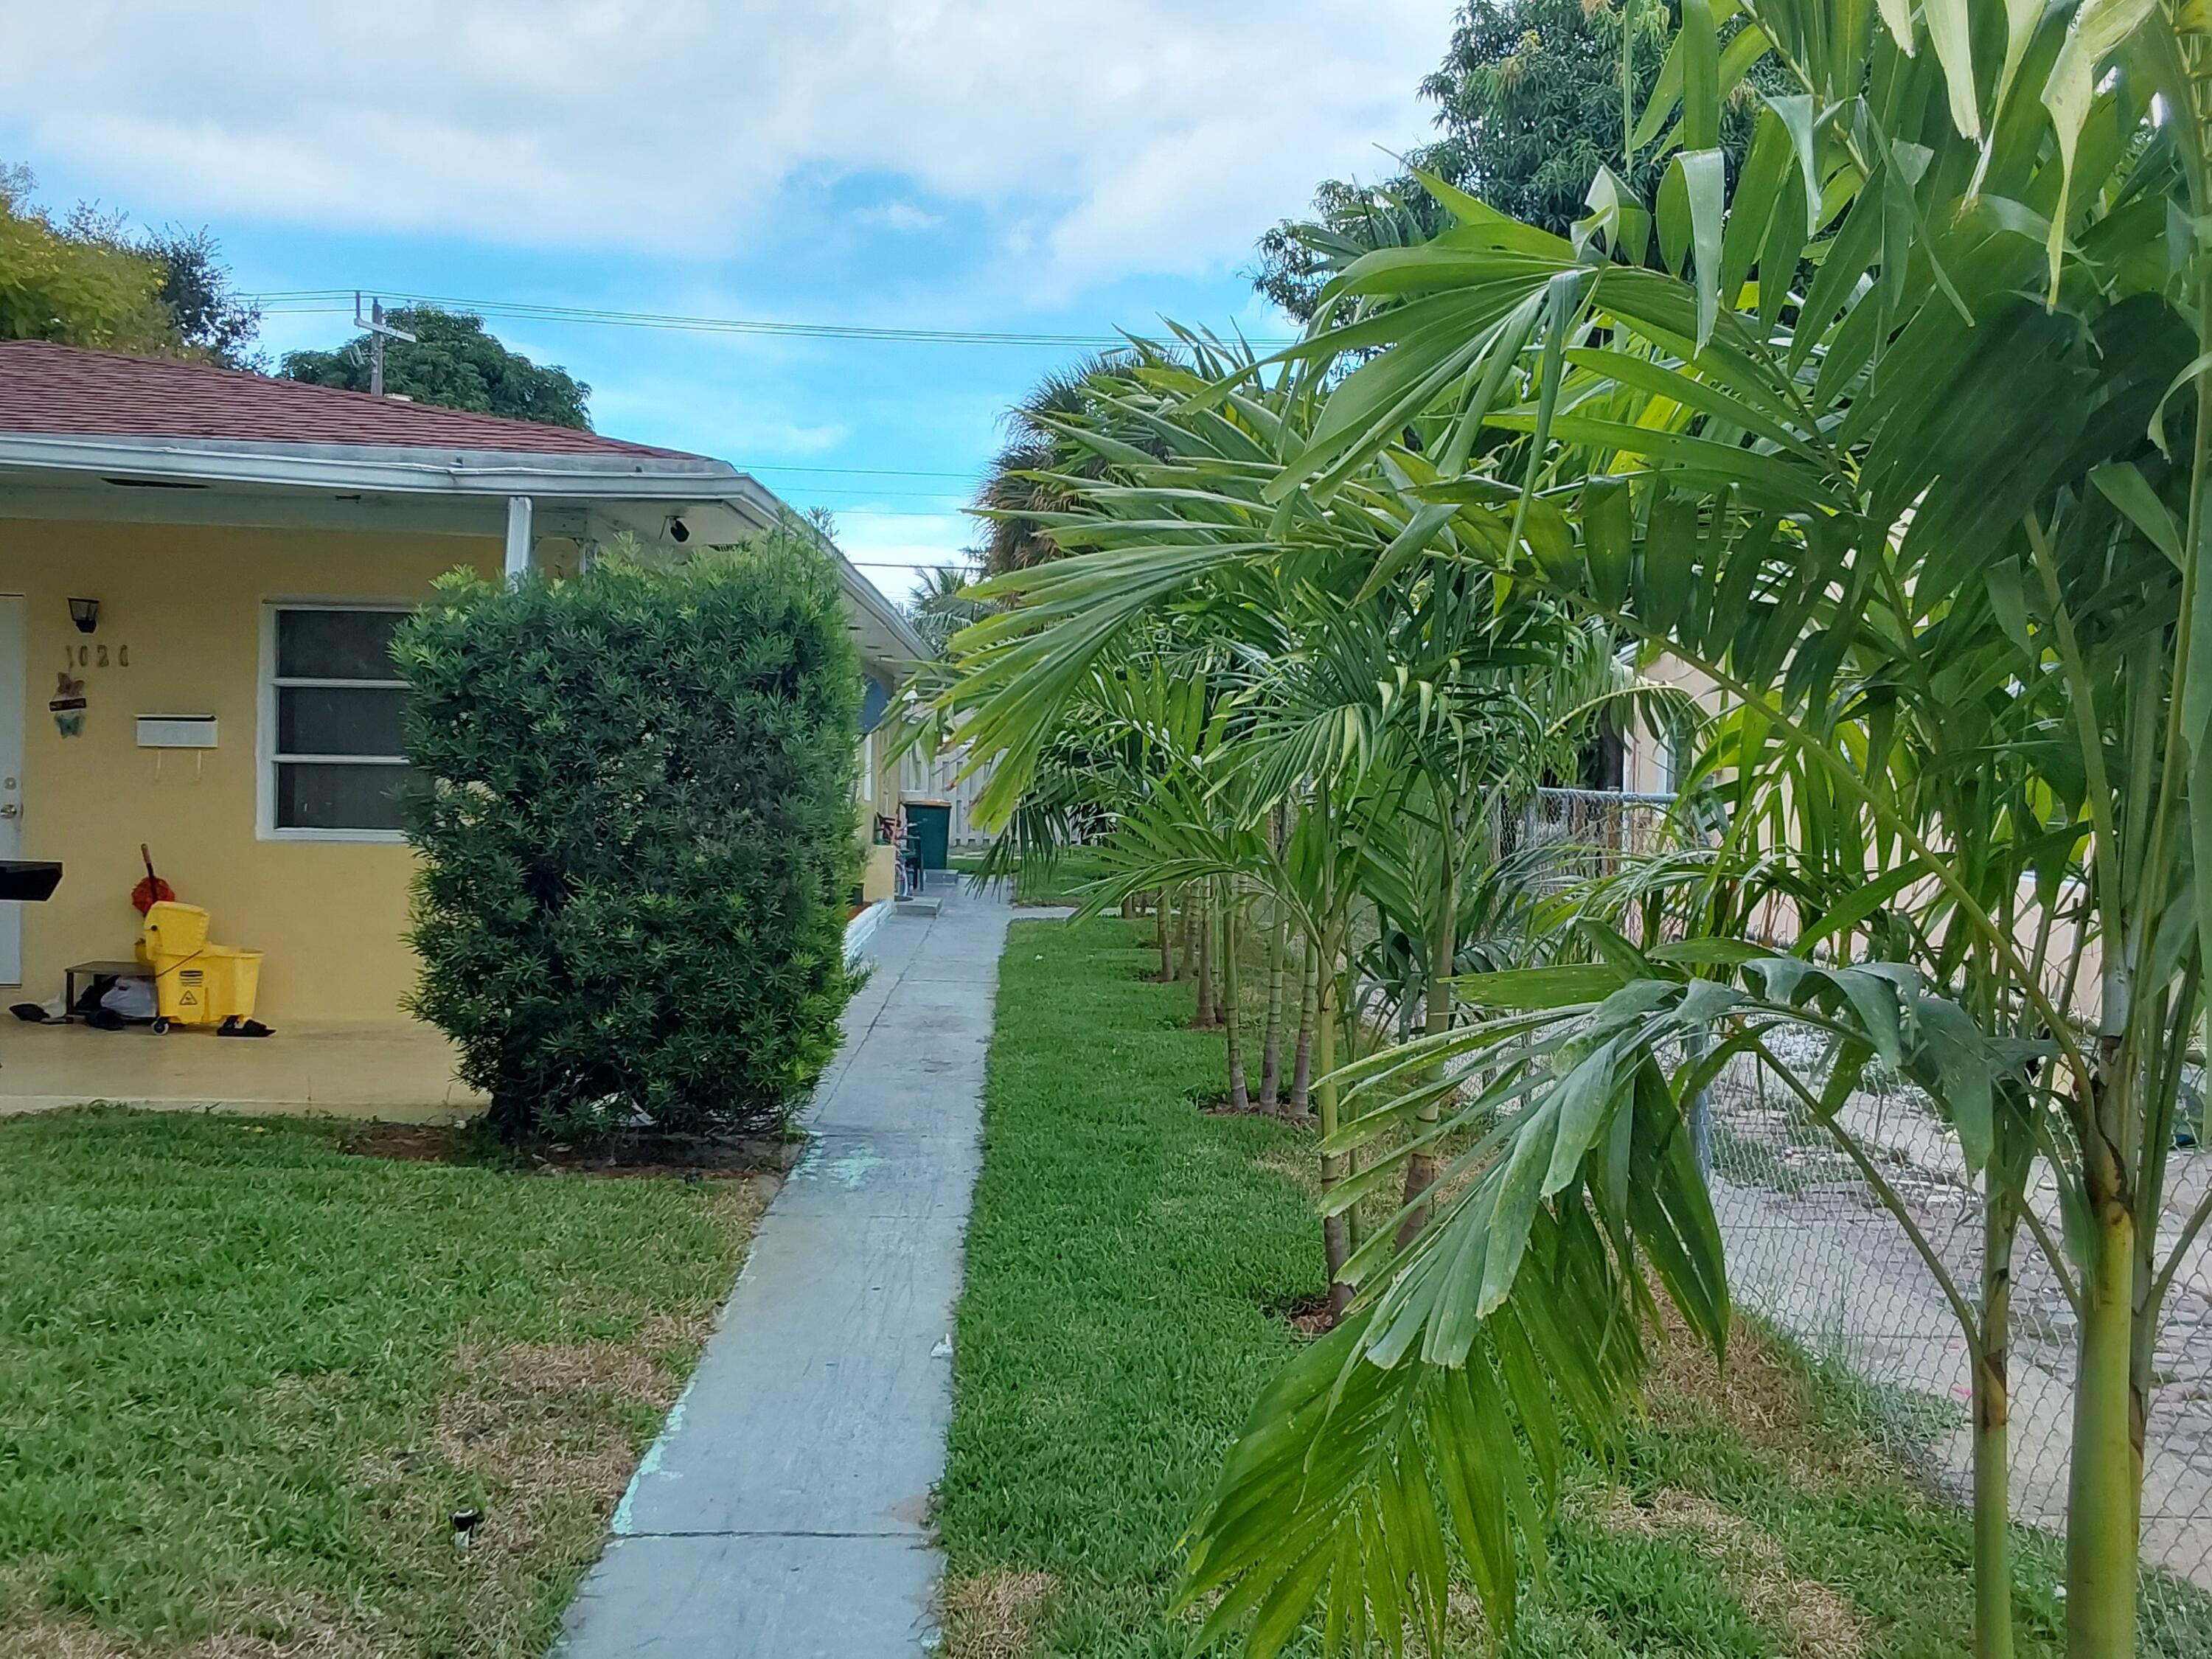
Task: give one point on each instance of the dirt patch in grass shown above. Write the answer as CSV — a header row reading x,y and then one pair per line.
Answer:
x,y
1218,1105
539,1429
1759,1390
276,1627
1308,1316
687,1157
994,1615
540,1438
408,1143
1817,1622
614,1370
549,1432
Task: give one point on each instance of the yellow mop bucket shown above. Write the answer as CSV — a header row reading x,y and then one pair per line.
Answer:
x,y
196,983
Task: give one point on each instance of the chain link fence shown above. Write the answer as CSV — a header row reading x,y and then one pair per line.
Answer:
x,y
1573,835
1813,1252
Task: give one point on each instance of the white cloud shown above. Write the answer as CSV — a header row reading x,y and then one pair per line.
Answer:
x,y
1124,137
900,215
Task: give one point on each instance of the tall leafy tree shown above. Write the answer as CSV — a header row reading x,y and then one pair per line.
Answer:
x,y
58,283
196,289
90,278
1298,257
1529,106
454,362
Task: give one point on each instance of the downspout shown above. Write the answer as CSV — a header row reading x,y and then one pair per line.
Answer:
x,y
519,539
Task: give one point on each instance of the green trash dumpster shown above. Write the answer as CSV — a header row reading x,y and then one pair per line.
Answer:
x,y
930,824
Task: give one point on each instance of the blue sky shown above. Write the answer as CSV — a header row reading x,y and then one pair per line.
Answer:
x,y
1029,166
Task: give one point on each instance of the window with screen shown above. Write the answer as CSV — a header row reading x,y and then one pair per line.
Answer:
x,y
334,706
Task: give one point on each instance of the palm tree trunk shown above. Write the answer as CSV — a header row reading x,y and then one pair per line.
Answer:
x,y
1992,1430
1240,1098
1209,1011
1443,952
2180,1016
1166,942
1302,1058
1182,936
1336,1230
1345,1050
1271,1040
2106,1468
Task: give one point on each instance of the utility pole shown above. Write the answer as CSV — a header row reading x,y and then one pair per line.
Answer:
x,y
379,330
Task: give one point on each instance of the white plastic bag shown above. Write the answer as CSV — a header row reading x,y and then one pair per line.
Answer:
x,y
129,998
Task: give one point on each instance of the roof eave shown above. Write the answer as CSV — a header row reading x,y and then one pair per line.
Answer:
x,y
865,594
608,476
423,470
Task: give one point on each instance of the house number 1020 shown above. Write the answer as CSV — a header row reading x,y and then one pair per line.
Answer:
x,y
96,656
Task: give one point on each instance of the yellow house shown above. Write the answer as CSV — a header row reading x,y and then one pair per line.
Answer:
x,y
199,573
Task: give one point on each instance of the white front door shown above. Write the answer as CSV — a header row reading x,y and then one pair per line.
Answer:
x,y
15,674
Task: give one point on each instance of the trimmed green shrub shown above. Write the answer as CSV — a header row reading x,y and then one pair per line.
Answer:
x,y
634,802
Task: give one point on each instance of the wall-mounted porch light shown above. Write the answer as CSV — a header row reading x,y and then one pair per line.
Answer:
x,y
85,613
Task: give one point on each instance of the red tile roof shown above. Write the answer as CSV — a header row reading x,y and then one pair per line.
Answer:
x,y
63,390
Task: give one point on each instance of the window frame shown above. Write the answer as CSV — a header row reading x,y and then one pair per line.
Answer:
x,y
266,757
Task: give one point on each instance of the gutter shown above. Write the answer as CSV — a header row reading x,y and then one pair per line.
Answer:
x,y
412,471
866,594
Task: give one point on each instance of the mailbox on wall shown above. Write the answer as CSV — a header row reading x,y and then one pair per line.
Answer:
x,y
177,731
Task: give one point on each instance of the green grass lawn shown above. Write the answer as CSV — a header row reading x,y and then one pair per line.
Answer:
x,y
1060,884
246,1377
1127,1267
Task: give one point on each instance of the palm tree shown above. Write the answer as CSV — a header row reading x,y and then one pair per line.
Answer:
x,y
1911,521
942,605
1335,691
1028,477
1940,543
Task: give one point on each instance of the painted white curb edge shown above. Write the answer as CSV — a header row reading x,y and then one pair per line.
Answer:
x,y
863,927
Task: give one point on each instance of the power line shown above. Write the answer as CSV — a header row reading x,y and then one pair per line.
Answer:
x,y
819,492
959,498
336,301
895,512
863,471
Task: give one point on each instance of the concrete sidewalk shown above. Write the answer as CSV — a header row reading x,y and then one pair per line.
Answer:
x,y
783,1511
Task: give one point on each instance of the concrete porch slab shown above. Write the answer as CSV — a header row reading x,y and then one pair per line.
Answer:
x,y
399,1071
